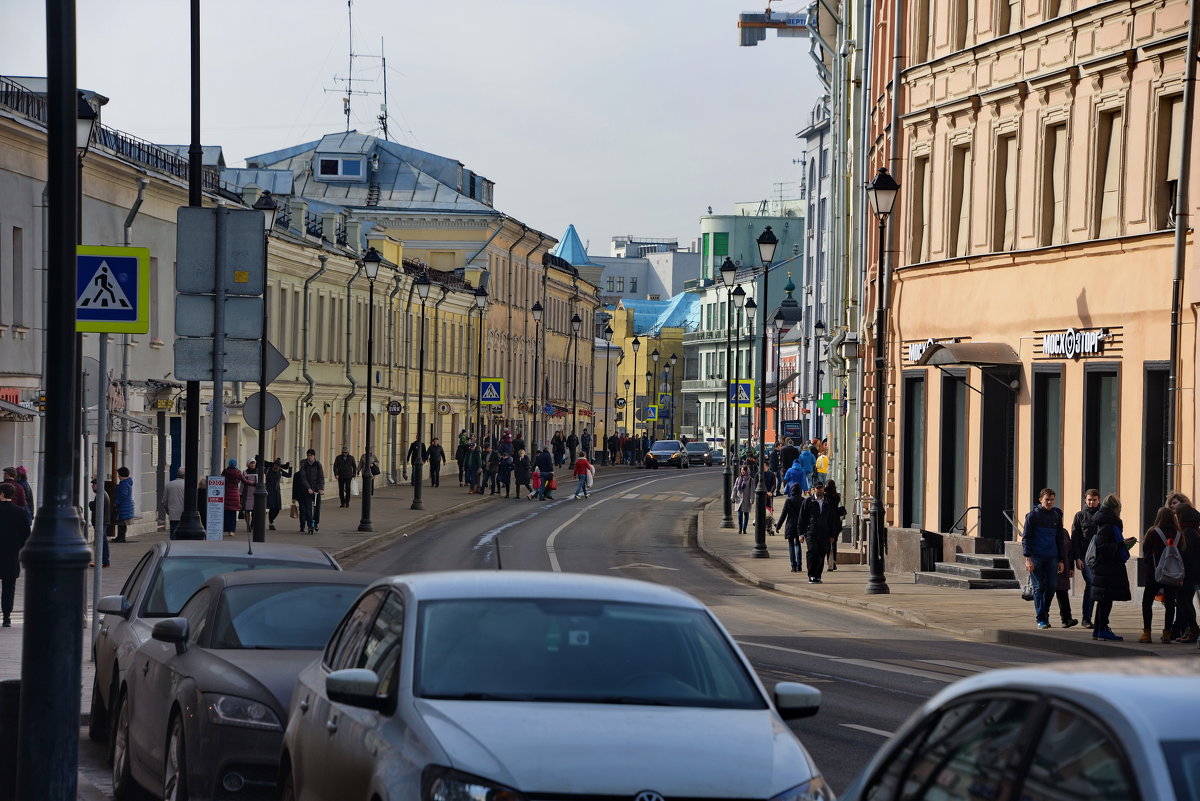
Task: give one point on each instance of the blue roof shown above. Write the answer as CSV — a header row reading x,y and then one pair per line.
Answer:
x,y
571,250
277,182
651,316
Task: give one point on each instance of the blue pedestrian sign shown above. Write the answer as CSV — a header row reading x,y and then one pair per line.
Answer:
x,y
741,393
491,391
112,290
651,414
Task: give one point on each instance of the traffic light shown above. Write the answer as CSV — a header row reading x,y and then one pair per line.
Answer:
x,y
41,401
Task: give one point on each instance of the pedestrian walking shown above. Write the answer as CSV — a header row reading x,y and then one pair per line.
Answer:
x,y
1189,525
789,521
249,501
506,443
1160,537
277,471
1110,579
23,480
795,477
1083,528
436,455
504,475
418,455
583,472
473,466
460,457
544,464
822,468
1042,549
344,470
491,469
585,442
743,498
518,443
14,530
233,496
614,446
123,501
558,445
307,488
368,470
106,528
172,505
523,467
1062,587
19,500
839,513
817,518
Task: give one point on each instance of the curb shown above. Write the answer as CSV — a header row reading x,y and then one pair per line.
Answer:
x,y
1021,639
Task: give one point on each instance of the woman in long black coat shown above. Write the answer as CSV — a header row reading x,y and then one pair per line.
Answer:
x,y
790,517
14,530
1110,580
523,468
277,471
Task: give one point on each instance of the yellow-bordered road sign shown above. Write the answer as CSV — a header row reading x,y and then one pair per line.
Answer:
x,y
491,391
112,290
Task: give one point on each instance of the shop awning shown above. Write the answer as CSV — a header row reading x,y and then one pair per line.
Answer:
x,y
120,421
970,354
14,413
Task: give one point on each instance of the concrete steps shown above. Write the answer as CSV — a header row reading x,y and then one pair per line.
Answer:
x,y
972,572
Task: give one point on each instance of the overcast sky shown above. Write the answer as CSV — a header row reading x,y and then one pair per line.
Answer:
x,y
620,116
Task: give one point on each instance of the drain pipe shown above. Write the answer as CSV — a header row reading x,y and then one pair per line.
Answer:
x,y
509,302
127,340
437,353
350,358
1182,218
407,370
525,323
307,398
391,377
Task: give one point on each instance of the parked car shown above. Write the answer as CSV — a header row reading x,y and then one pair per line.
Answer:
x,y
202,711
667,453
718,456
157,588
699,453
1071,731
519,685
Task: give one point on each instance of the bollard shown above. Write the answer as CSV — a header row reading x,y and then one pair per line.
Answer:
x,y
10,708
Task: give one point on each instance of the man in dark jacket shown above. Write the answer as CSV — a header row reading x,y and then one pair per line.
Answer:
x,y
418,455
437,457
473,465
14,530
344,470
491,468
788,454
1082,530
19,500
544,464
818,518
307,488
790,516
518,443
1044,557
460,456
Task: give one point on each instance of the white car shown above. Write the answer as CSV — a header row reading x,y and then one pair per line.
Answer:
x,y
1111,730
524,685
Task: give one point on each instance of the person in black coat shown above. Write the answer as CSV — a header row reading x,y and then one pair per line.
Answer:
x,y
275,473
523,468
1189,524
544,463
1083,528
437,457
307,487
1110,581
14,530
790,517
817,519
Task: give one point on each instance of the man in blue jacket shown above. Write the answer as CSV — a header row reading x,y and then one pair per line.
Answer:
x,y
795,477
1042,548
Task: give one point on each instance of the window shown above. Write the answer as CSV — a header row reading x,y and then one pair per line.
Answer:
x,y
155,311
383,643
964,23
1047,430
609,283
18,277
633,284
281,331
1106,206
960,201
1004,208
1170,133
1077,760
704,260
345,646
720,245
1054,186
1155,483
1101,427
621,283
130,588
333,167
1008,16
919,231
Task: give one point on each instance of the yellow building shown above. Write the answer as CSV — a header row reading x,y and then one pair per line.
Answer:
x,y
639,320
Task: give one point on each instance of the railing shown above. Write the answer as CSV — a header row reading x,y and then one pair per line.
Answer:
x,y
313,224
958,524
22,101
703,336
703,385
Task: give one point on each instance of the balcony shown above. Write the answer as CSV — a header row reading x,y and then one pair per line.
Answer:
x,y
704,385
697,337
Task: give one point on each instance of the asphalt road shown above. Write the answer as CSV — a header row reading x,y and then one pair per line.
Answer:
x,y
873,673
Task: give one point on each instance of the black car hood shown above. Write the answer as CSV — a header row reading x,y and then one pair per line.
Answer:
x,y
264,674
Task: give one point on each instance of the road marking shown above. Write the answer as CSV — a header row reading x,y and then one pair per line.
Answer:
x,y
863,663
867,729
554,565
642,564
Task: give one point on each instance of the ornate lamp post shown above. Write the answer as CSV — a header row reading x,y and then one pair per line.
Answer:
x,y
654,428
882,195
608,335
628,410
779,321
728,274
818,335
637,345
767,243
481,297
699,424
423,286
537,361
267,205
576,321
674,429
371,261
649,389
739,301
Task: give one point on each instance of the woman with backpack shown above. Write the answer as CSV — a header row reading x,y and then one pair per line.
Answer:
x,y
1161,560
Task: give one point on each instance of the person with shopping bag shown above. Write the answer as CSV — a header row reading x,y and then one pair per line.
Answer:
x,y
583,472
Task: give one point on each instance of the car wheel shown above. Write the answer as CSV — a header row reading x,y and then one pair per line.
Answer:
x,y
175,764
287,787
123,785
98,718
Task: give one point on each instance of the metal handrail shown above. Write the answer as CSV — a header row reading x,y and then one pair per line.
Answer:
x,y
962,517
1008,515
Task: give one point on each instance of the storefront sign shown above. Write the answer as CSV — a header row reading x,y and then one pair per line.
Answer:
x,y
917,349
1071,344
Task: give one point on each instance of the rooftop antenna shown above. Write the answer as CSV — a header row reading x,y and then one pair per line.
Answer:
x,y
349,79
383,109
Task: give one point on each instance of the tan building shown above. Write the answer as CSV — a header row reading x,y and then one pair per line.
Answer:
x,y
1033,254
640,320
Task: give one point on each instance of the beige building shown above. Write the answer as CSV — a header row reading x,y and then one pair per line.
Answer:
x,y
1030,332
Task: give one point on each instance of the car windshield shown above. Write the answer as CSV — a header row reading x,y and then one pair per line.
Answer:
x,y
180,576
1183,760
577,651
295,617
696,447
667,445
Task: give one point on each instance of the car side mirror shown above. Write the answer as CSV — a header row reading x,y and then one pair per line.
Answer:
x,y
355,687
172,630
114,605
794,700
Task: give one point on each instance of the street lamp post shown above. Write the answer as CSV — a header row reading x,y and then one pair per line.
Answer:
x,y
699,425
608,335
728,274
423,285
767,243
818,335
739,301
637,345
371,261
654,428
269,207
576,321
537,360
481,297
628,411
779,322
649,389
882,195
671,383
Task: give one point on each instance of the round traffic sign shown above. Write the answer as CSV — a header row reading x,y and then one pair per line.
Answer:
x,y
619,403
393,407
274,412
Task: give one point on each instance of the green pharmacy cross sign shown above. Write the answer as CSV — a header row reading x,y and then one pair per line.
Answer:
x,y
828,403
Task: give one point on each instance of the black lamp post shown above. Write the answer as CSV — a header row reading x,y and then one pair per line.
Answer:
x,y
628,410
654,428
671,383
481,297
608,335
637,345
422,285
780,322
728,274
739,301
699,426
649,389
818,335
371,261
267,205
537,360
767,243
576,321
882,195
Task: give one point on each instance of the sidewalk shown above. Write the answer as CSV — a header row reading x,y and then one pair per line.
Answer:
x,y
998,616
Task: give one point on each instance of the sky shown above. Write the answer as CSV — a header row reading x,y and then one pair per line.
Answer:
x,y
620,116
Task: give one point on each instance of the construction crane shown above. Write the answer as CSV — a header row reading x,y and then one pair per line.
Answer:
x,y
753,27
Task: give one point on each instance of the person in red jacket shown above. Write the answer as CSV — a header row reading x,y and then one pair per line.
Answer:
x,y
583,471
233,496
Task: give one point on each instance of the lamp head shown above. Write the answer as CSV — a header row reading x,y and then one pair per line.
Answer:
x,y
423,285
779,320
576,321
767,242
819,327
728,271
654,355
637,344
267,204
626,385
371,261
481,297
674,359
739,297
608,334
882,192
751,309
537,311
86,120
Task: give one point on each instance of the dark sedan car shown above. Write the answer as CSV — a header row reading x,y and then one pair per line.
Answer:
x,y
666,453
162,580
699,453
202,711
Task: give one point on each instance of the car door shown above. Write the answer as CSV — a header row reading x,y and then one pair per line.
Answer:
x,y
315,719
1077,759
115,632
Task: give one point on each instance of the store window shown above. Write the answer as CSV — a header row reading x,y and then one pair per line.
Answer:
x,y
953,479
912,510
1101,427
1047,447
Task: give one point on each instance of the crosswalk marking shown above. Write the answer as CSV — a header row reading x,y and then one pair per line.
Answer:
x,y
867,729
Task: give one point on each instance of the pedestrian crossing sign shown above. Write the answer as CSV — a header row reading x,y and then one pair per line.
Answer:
x,y
741,393
491,391
112,290
651,414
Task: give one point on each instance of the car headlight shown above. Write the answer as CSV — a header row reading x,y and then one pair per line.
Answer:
x,y
230,710
815,789
444,784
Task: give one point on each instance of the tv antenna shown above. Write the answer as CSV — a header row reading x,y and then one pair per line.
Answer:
x,y
349,92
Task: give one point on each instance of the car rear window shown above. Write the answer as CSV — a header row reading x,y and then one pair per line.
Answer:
x,y
180,576
294,617
1183,760
578,651
696,447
